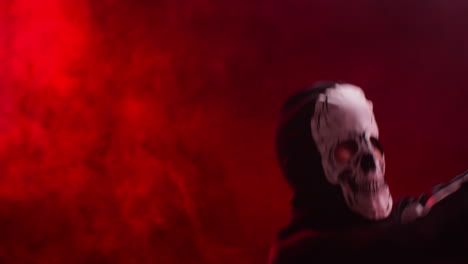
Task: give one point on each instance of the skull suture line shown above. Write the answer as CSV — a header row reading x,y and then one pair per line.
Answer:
x,y
346,134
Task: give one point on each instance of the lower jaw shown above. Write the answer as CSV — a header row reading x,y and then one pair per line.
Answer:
x,y
372,208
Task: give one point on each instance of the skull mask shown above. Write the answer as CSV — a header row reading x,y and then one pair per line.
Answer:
x,y
346,134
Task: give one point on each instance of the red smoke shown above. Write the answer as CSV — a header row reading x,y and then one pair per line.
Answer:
x,y
142,131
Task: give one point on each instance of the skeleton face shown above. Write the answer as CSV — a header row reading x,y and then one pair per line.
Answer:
x,y
346,134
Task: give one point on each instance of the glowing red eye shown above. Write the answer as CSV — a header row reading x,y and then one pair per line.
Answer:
x,y
378,150
345,151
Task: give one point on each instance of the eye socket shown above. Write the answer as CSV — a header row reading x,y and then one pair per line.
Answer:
x,y
345,151
378,150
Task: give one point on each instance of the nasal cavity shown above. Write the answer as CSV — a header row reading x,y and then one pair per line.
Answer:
x,y
368,163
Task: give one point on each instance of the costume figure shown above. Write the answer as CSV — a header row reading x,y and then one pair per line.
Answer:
x,y
329,151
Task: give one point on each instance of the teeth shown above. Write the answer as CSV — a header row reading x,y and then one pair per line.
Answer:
x,y
366,187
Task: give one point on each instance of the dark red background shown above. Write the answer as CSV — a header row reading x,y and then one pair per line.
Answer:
x,y
142,131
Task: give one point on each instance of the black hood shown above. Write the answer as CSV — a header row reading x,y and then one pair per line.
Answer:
x,y
316,203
